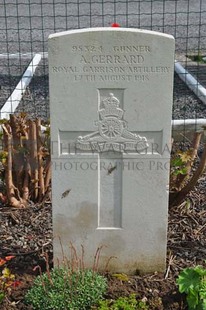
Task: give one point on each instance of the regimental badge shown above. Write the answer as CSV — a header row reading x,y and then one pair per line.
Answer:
x,y
112,133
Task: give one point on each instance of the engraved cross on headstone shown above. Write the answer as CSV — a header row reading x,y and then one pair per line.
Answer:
x,y
111,142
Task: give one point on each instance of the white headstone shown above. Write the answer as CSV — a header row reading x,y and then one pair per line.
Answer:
x,y
111,105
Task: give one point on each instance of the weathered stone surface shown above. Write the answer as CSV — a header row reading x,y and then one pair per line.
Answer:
x,y
111,102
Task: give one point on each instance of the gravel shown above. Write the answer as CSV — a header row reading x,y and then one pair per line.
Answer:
x,y
26,232
186,105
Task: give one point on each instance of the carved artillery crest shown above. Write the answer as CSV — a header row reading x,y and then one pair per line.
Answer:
x,y
112,131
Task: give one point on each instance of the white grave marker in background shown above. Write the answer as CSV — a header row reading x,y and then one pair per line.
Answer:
x,y
111,104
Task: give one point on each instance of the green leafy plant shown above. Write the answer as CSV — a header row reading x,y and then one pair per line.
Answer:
x,y
179,168
63,288
7,279
197,57
192,281
123,303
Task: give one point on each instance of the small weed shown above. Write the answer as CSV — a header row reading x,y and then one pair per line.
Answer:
x,y
198,58
179,168
65,289
121,276
123,303
68,287
7,279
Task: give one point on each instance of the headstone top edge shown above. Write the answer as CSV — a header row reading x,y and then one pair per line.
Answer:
x,y
111,29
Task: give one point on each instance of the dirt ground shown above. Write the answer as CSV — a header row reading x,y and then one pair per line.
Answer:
x,y
27,234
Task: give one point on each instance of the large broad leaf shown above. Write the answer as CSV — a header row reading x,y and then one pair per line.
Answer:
x,y
188,280
200,270
204,304
192,300
201,306
202,293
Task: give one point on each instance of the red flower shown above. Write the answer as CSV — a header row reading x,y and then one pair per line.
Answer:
x,y
2,262
9,257
115,25
16,283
